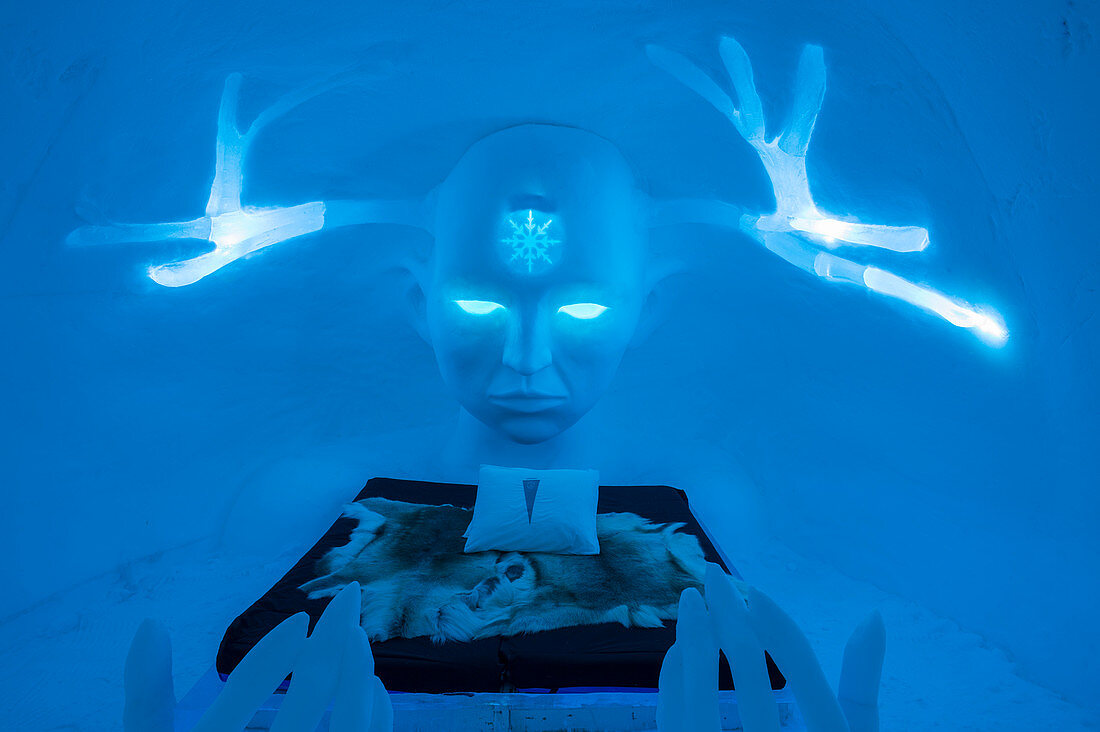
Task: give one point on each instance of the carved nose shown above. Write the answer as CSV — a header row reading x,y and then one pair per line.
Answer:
x,y
527,350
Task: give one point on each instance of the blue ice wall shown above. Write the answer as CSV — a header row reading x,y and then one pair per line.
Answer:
x,y
898,448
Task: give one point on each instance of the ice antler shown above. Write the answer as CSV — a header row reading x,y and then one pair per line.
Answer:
x,y
798,231
688,684
235,230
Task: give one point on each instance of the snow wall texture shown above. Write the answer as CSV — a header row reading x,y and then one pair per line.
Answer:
x,y
900,449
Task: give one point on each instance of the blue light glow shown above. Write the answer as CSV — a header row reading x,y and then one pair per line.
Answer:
x,y
235,230
529,242
583,310
853,233
987,325
479,307
797,230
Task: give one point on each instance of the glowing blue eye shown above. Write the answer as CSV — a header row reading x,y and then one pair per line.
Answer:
x,y
583,310
478,307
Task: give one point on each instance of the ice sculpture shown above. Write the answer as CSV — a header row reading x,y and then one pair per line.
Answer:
x,y
798,231
743,627
236,230
334,663
528,350
527,330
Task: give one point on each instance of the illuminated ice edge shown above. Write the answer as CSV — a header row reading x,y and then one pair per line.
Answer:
x,y
235,230
238,234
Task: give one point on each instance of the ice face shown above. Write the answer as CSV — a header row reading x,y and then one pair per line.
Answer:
x,y
536,281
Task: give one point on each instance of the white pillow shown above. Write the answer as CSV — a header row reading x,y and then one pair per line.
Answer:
x,y
524,510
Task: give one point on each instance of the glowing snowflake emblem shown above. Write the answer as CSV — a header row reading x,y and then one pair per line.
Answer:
x,y
529,242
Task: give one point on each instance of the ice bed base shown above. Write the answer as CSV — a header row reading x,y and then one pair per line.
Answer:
x,y
476,712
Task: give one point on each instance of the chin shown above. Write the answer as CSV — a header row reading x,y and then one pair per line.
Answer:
x,y
531,429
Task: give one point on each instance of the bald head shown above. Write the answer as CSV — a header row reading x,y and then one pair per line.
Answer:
x,y
576,178
536,280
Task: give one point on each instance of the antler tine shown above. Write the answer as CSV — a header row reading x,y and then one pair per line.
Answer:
x,y
225,191
798,231
809,93
292,99
233,145
751,110
236,231
984,323
693,78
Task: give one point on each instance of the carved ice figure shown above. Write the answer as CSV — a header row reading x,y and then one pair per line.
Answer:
x,y
529,341
233,229
743,627
798,231
334,663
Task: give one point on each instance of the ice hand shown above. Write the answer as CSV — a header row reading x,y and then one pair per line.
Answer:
x,y
333,663
743,629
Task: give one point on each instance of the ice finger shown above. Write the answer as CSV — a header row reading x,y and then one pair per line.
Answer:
x,y
150,702
354,703
315,674
256,676
700,657
796,659
670,692
730,619
382,708
861,674
694,78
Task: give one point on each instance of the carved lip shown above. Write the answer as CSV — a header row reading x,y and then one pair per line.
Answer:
x,y
529,402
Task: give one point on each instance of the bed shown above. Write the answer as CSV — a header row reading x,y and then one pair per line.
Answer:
x,y
610,639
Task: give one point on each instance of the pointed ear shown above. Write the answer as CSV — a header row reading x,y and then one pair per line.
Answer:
x,y
412,274
655,306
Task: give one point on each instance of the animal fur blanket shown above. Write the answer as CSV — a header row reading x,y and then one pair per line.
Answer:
x,y
417,581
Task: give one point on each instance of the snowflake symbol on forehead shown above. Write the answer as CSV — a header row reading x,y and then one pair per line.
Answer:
x,y
529,241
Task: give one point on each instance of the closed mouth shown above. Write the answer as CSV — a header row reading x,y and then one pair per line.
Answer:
x,y
527,401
